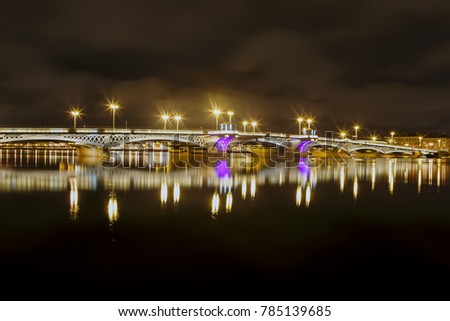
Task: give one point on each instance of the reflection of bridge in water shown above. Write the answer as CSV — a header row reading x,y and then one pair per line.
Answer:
x,y
225,175
225,180
205,139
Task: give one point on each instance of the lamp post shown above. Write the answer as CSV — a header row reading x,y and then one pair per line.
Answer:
x,y
254,124
392,137
165,118
113,108
245,123
343,134
309,121
356,128
177,119
374,138
420,141
230,114
217,113
75,114
300,121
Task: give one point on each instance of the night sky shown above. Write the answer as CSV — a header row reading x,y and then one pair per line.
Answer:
x,y
385,64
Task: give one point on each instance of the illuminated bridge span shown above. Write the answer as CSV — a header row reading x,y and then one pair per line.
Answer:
x,y
210,140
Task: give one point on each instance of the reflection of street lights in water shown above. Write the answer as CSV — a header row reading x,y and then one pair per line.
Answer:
x,y
215,205
176,193
113,208
73,199
355,187
164,193
298,196
342,179
229,202
244,188
253,187
308,195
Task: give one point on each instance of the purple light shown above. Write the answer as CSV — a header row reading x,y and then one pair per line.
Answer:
x,y
303,167
223,142
222,169
303,146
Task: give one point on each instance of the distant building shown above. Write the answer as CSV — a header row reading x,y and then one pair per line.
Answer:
x,y
440,143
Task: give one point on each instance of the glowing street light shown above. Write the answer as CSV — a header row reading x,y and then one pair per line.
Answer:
x,y
309,121
300,121
356,128
254,124
113,108
165,118
245,123
374,138
230,114
217,113
420,141
392,137
177,119
343,134
75,114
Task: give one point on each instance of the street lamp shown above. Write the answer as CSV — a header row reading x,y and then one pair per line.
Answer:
x,y
177,119
300,121
374,138
254,124
230,114
356,127
75,114
113,108
343,134
245,123
217,113
420,141
165,118
392,137
309,121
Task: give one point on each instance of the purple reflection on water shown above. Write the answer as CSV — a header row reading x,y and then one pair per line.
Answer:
x,y
303,167
222,169
223,143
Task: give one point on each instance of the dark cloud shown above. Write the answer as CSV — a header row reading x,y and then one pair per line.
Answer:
x,y
383,63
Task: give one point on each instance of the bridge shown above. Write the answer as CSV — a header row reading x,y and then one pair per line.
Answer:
x,y
210,140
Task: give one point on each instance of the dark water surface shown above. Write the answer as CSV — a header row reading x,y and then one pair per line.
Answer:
x,y
373,229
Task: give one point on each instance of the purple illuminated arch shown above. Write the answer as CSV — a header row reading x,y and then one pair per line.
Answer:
x,y
303,146
223,142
